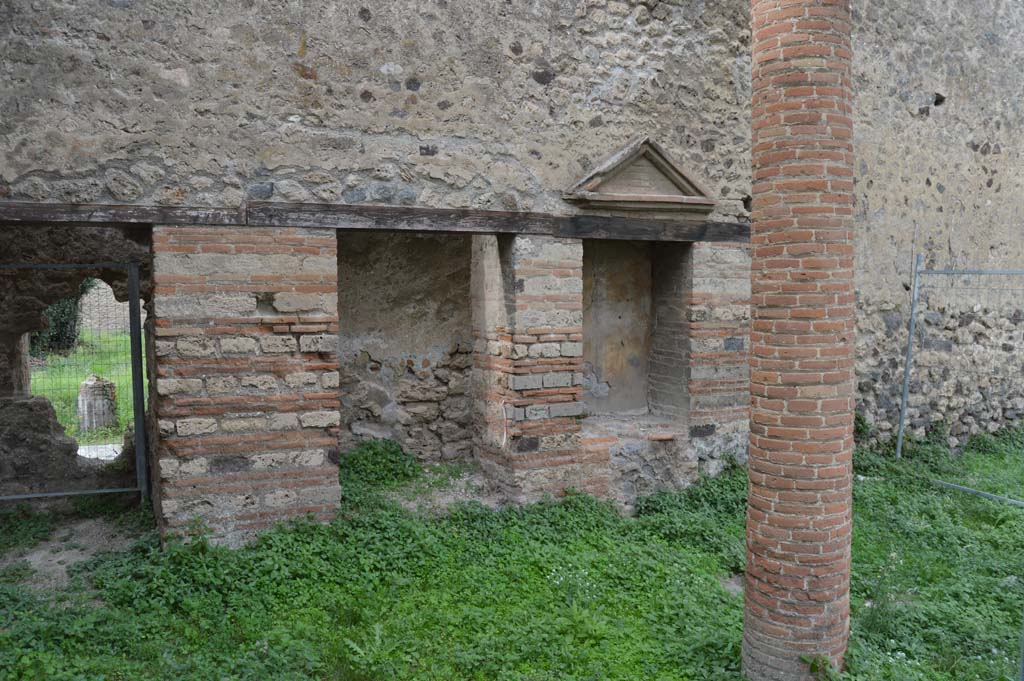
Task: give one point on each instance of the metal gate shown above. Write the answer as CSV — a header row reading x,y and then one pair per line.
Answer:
x,y
137,379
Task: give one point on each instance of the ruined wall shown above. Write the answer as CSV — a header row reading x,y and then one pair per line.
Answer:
x,y
36,455
406,341
493,105
25,294
616,325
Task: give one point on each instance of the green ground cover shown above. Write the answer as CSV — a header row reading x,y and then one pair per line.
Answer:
x,y
566,590
57,377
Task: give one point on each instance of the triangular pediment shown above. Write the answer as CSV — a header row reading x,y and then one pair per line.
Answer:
x,y
640,176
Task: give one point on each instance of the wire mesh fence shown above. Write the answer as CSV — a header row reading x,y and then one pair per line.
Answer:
x,y
964,366
82,364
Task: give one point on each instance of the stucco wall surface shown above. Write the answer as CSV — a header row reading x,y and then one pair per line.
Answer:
x,y
483,103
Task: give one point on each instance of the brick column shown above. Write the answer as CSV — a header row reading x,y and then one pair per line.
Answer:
x,y
246,399
528,354
802,382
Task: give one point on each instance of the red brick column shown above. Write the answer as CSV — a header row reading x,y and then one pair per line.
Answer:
x,y
802,382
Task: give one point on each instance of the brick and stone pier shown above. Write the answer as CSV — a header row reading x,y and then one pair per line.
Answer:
x,y
802,336
246,400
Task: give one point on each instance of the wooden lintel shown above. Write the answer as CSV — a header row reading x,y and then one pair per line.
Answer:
x,y
385,218
122,214
464,221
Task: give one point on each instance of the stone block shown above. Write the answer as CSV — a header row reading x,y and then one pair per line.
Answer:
x,y
220,385
321,342
297,302
565,409
527,381
284,422
572,349
278,344
557,379
206,306
259,381
178,386
549,350
243,424
536,412
302,378
330,380
238,345
164,348
196,346
320,419
196,426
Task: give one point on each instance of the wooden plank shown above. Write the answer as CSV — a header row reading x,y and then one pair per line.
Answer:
x,y
384,218
463,221
123,214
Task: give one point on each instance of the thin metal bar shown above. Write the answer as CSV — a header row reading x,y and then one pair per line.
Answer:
x,y
65,266
979,493
910,356
78,493
973,272
139,406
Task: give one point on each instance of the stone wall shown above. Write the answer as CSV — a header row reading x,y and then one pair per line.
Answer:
x,y
475,104
938,89
967,375
246,389
406,341
25,294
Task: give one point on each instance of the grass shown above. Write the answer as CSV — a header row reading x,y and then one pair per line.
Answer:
x,y
59,376
566,590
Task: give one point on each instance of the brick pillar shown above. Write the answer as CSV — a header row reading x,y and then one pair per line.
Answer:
x,y
528,327
718,337
246,399
802,381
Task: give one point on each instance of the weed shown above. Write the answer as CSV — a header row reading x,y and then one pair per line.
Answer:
x,y
558,590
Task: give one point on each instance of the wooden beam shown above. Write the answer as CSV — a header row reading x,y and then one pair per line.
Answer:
x,y
122,214
384,218
464,221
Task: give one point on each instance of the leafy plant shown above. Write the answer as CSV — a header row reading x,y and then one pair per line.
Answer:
x,y
566,589
61,332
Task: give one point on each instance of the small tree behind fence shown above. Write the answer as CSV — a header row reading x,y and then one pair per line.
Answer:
x,y
964,366
63,317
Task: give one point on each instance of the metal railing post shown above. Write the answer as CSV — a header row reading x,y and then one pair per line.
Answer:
x,y
910,355
138,394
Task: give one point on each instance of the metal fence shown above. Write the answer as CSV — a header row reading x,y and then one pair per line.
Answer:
x,y
964,351
89,364
968,356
